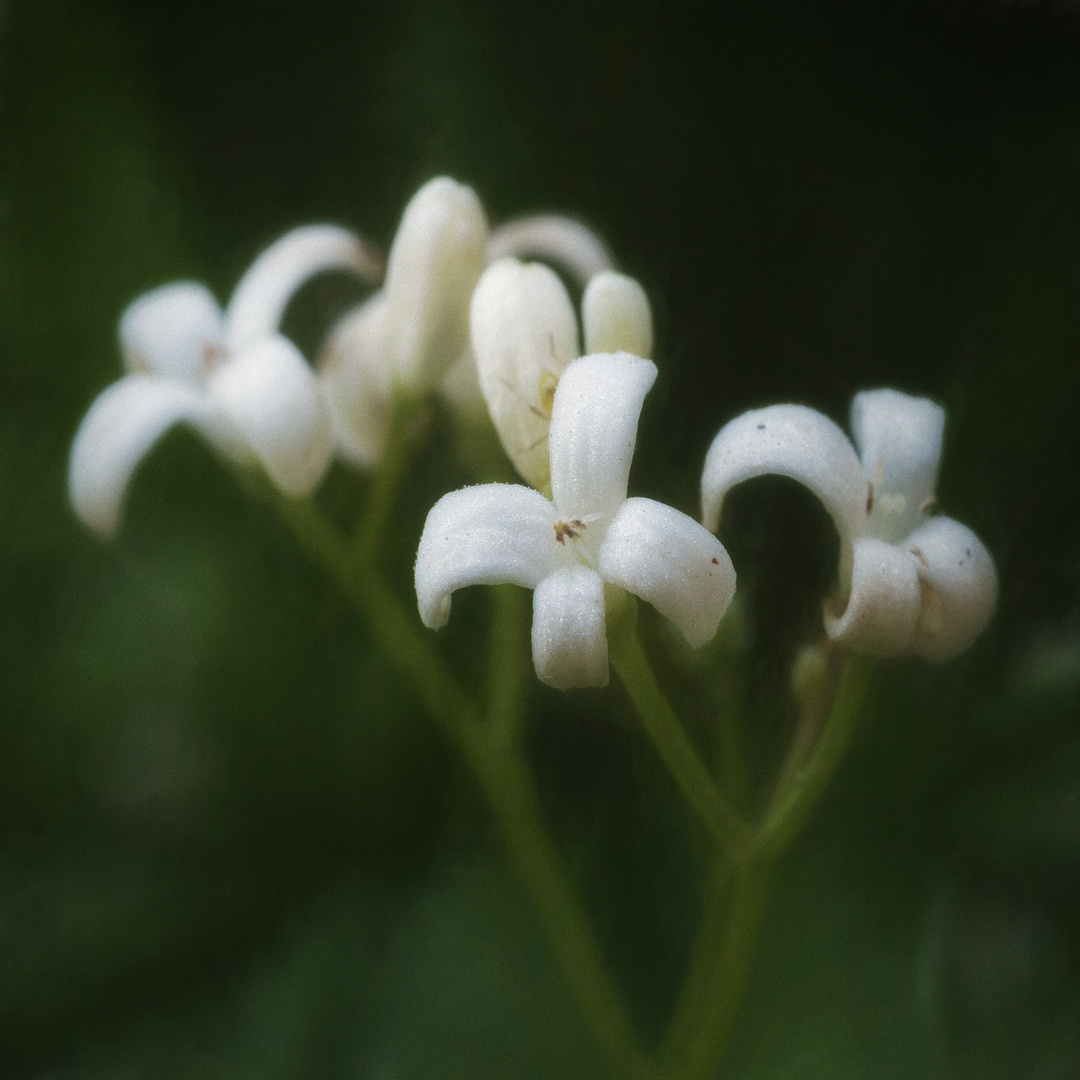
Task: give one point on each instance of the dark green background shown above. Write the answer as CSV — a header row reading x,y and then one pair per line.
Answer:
x,y
229,846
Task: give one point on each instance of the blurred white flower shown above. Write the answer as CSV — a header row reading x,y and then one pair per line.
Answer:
x,y
229,374
524,334
406,336
413,335
587,535
910,583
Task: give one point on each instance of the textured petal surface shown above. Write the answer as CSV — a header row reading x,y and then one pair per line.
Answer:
x,y
616,316
793,441
484,535
435,262
569,639
883,609
524,333
176,330
263,293
960,587
593,431
670,560
355,374
899,441
565,243
274,399
118,431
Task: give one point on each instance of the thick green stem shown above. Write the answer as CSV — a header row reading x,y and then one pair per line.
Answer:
x,y
671,741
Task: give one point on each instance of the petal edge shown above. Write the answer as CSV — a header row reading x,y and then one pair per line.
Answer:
x,y
484,535
668,559
594,424
118,431
797,442
569,636
958,571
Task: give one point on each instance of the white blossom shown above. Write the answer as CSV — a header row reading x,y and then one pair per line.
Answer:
x,y
407,335
525,333
230,375
413,335
910,583
588,534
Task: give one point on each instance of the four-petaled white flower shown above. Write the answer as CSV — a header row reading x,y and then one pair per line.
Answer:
x,y
229,374
911,583
589,533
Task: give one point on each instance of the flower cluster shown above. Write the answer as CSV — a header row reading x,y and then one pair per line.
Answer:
x,y
457,312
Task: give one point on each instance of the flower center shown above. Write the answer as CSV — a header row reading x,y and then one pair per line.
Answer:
x,y
570,532
890,514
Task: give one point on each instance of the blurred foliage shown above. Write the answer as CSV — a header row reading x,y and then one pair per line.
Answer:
x,y
229,845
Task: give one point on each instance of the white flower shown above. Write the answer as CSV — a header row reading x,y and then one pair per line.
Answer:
x,y
910,583
406,336
525,333
413,335
229,374
590,533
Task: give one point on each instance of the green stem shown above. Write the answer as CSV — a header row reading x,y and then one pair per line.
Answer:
x,y
800,790
705,1013
496,759
395,629
510,791
671,741
704,961
394,464
716,1019
727,695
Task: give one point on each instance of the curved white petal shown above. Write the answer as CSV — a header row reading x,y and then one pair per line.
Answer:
x,y
176,330
484,535
616,316
793,441
569,638
898,438
524,333
118,431
593,431
883,609
271,395
667,558
259,300
435,262
960,587
568,244
356,377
